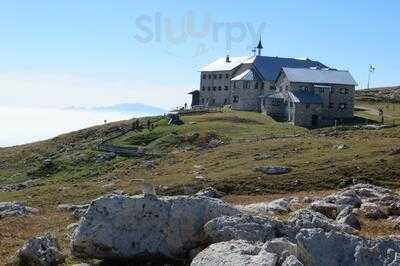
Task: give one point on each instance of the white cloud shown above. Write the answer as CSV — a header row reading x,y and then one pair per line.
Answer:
x,y
60,90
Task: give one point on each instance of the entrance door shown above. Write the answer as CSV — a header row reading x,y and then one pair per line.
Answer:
x,y
314,120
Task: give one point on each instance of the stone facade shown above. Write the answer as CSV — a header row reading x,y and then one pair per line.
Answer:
x,y
337,102
215,89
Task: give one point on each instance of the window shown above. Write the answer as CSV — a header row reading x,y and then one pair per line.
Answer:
x,y
225,101
321,90
246,85
235,99
332,90
209,76
214,76
219,88
234,84
276,102
306,88
202,100
307,106
346,91
331,105
227,76
204,76
214,88
226,88
290,104
203,88
256,85
220,76
342,106
209,88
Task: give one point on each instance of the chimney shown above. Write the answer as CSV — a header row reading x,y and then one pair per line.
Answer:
x,y
228,60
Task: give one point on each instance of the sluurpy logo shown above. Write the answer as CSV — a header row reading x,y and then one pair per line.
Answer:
x,y
202,31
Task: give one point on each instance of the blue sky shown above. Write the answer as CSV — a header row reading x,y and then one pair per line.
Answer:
x,y
62,53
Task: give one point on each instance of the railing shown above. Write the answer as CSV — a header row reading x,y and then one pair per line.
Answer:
x,y
199,109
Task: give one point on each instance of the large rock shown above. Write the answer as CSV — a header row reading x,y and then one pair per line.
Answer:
x,y
328,209
292,261
235,252
317,247
273,207
244,228
42,250
13,209
347,216
306,218
373,211
282,247
143,227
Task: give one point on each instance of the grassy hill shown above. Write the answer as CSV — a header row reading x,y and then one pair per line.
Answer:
x,y
384,94
217,149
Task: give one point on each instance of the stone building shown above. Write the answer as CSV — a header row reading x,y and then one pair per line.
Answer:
x,y
311,97
271,85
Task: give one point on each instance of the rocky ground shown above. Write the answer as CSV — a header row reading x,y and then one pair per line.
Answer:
x,y
118,229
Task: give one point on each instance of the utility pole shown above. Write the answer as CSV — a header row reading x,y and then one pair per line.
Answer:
x,y
371,70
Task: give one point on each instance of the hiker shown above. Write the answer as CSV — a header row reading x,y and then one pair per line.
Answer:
x,y
137,124
148,124
380,110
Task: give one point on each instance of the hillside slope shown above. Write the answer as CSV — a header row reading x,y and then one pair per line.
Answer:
x,y
224,150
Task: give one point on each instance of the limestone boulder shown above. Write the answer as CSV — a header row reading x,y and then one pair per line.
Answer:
x,y
306,218
235,252
273,170
118,227
373,211
15,209
317,247
248,228
328,209
292,261
347,216
272,207
42,250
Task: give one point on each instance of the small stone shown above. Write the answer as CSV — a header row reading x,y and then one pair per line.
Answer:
x,y
273,170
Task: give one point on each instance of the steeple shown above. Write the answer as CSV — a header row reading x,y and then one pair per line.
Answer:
x,y
259,47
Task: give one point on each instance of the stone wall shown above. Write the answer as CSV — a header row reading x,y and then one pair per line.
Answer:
x,y
215,88
246,95
274,107
338,100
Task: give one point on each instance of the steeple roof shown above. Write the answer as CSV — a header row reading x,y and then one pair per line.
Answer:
x,y
260,46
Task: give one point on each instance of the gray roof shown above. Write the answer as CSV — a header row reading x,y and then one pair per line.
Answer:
x,y
221,65
304,97
248,75
267,67
329,76
270,67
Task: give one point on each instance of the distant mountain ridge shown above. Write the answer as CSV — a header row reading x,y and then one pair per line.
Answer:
x,y
138,108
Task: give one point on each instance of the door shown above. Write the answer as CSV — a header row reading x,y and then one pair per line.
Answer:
x,y
314,120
